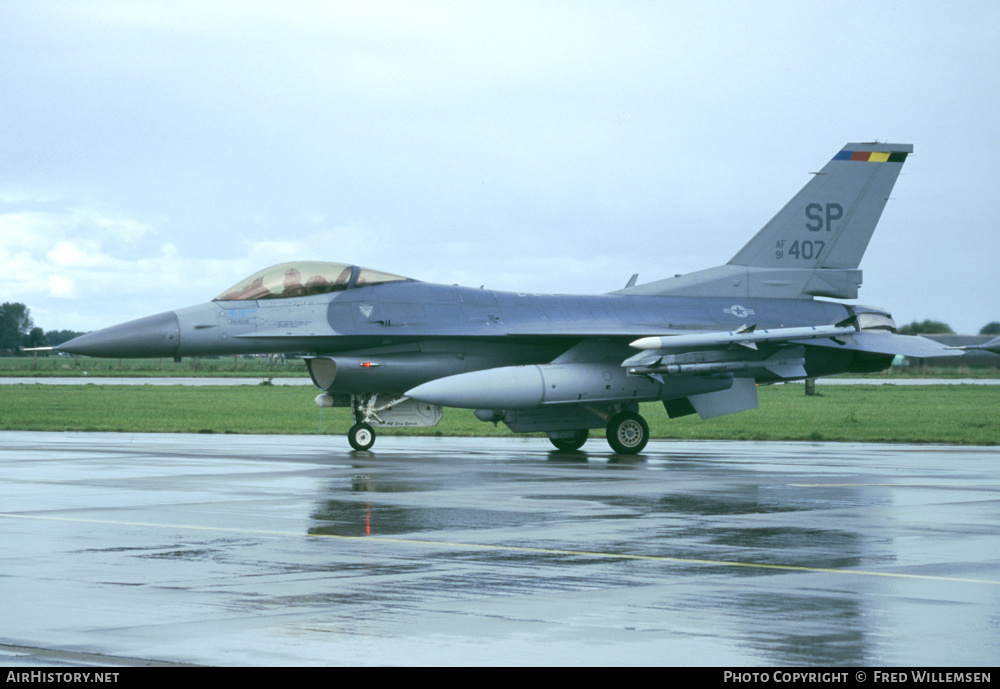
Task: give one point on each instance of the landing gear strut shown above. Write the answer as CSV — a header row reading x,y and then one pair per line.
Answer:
x,y
362,435
371,410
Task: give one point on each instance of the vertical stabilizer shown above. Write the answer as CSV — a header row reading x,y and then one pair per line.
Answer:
x,y
830,222
814,245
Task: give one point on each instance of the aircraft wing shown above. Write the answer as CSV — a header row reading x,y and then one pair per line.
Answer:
x,y
737,351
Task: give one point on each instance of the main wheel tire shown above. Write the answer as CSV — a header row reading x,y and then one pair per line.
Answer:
x,y
361,436
573,443
628,433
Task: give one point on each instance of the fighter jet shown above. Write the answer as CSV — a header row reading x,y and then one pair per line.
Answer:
x,y
396,350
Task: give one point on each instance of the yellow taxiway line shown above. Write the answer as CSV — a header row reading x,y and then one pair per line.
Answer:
x,y
517,549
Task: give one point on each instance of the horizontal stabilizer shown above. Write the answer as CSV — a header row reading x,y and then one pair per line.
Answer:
x,y
991,346
890,343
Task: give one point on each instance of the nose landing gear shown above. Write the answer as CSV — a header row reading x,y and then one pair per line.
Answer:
x,y
361,436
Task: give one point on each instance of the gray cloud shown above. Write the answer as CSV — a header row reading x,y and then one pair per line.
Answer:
x,y
529,146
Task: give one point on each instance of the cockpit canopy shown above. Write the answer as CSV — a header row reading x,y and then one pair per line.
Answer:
x,y
304,278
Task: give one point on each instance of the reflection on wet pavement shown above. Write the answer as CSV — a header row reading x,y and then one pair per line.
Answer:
x,y
267,550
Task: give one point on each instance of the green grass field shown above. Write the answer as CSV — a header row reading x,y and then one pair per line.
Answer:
x,y
220,367
962,414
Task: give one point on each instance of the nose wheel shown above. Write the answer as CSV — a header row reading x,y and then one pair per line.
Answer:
x,y
628,433
361,436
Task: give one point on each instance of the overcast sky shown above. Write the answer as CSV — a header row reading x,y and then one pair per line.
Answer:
x,y
153,154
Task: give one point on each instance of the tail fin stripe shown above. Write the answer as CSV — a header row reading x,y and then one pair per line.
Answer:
x,y
872,156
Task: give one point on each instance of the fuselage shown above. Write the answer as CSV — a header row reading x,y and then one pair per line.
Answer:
x,y
409,332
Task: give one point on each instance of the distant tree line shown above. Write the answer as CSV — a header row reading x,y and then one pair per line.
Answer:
x,y
929,327
17,330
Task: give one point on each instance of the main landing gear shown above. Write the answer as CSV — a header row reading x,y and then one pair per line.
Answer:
x,y
627,433
570,443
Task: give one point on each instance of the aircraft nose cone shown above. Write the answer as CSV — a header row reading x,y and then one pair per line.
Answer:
x,y
152,336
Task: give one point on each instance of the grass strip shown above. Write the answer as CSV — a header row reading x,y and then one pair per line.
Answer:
x,y
216,367
956,414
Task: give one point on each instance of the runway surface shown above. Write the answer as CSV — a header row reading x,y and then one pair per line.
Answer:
x,y
268,550
230,382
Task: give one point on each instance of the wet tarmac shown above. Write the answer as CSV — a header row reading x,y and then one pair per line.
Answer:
x,y
190,382
228,382
266,550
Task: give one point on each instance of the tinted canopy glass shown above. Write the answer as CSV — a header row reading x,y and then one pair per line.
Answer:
x,y
303,278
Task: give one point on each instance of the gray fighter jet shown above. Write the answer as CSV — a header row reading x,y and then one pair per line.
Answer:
x,y
397,350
